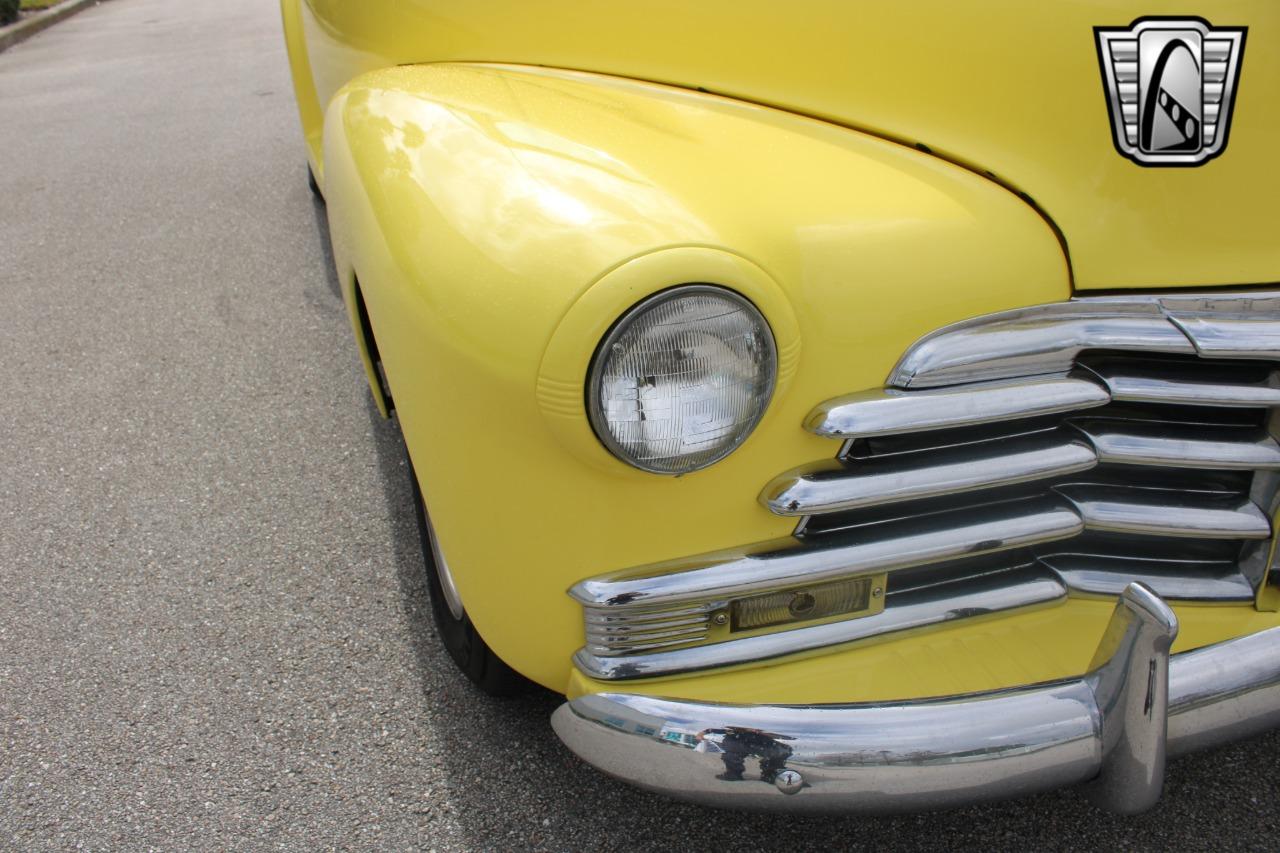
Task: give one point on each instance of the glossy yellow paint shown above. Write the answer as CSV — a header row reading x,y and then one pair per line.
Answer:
x,y
499,217
479,205
1005,86
310,109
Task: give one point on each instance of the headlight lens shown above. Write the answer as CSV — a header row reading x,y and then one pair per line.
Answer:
x,y
682,379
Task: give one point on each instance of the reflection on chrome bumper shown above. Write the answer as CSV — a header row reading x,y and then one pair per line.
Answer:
x,y
1112,728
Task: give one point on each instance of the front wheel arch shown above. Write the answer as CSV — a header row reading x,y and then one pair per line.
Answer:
x,y
458,634
368,346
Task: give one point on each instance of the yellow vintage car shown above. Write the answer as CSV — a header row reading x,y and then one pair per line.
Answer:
x,y
846,406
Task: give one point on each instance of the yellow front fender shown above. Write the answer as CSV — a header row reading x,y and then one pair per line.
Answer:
x,y
500,218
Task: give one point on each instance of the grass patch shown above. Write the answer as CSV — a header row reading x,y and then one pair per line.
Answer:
x,y
39,4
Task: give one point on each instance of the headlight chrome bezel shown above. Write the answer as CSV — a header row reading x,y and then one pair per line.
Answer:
x,y
600,359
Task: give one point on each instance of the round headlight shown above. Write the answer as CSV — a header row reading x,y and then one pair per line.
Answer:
x,y
682,379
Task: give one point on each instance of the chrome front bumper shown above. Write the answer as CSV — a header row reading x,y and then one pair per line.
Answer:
x,y
1112,728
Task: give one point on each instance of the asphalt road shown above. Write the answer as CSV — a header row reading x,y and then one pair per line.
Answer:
x,y
214,632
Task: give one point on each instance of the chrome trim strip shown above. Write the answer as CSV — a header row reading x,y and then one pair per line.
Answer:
x,y
1107,577
1037,340
791,562
1216,302
1114,726
1047,338
641,617
1223,693
621,637
1174,514
888,411
1231,337
1152,387
1168,446
645,627
836,486
650,648
913,609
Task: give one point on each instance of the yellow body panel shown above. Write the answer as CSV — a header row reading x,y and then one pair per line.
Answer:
x,y
478,205
1006,86
310,108
500,217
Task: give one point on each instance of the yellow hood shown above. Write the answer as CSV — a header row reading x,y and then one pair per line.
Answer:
x,y
1012,88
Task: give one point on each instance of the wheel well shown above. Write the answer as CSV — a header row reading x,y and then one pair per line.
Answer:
x,y
369,349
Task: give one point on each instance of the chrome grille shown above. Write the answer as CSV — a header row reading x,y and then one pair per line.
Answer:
x,y
1012,460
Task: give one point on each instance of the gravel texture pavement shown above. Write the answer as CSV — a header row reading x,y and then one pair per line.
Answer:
x,y
214,631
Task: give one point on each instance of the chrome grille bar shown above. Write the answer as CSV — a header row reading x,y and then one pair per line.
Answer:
x,y
607,623
876,480
843,486
616,633
1182,447
889,412
1162,385
1231,337
1107,575
1033,341
1163,514
1049,338
886,547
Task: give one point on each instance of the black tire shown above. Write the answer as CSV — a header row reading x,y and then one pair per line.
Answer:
x,y
311,182
459,637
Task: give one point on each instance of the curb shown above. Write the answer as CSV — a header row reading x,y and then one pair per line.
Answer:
x,y
24,30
